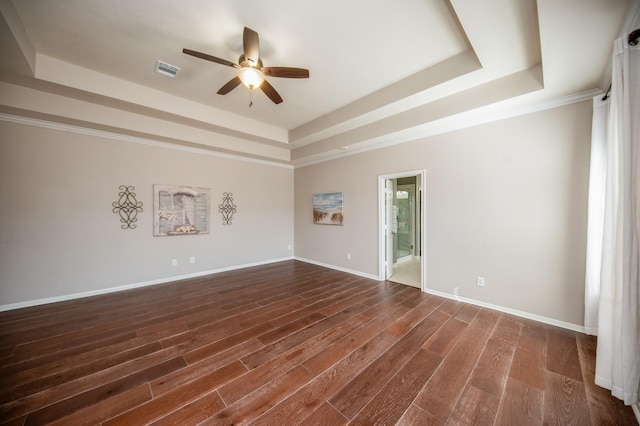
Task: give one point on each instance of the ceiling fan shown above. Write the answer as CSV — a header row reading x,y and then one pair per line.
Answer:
x,y
251,72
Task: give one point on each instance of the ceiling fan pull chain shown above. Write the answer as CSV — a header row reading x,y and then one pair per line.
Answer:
x,y
250,97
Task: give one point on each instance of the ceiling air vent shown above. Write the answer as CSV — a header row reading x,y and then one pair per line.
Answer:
x,y
166,69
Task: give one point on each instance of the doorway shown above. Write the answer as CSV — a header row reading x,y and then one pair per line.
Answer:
x,y
404,207
401,228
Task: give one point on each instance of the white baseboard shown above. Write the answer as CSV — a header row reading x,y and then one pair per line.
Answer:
x,y
636,411
522,314
66,297
337,268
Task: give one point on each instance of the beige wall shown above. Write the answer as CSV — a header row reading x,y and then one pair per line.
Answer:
x,y
59,236
505,200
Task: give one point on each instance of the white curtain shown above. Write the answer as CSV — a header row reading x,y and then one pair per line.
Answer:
x,y
612,296
595,209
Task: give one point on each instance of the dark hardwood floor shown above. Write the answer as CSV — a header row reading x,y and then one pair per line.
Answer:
x,y
292,343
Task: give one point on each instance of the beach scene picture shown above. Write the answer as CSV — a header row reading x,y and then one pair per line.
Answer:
x,y
327,209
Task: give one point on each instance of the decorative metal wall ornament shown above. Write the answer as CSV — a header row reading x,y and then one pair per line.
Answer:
x,y
227,208
127,207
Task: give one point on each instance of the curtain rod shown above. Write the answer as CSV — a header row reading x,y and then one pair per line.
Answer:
x,y
606,95
634,36
633,40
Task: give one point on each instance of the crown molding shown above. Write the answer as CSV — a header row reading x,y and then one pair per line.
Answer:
x,y
487,114
37,122
491,113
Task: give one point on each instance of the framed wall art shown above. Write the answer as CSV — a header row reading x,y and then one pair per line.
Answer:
x,y
328,209
180,210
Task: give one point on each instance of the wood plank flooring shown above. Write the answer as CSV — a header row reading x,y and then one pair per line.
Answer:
x,y
292,343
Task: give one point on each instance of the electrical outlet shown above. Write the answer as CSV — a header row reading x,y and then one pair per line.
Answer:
x,y
480,281
348,256
289,247
192,259
174,262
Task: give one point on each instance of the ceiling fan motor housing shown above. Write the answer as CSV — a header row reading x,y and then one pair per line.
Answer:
x,y
248,63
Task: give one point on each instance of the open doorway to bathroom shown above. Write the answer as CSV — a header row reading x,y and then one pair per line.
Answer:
x,y
401,230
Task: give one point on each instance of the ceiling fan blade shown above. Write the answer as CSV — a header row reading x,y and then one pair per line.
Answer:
x,y
231,84
251,43
270,92
286,72
210,58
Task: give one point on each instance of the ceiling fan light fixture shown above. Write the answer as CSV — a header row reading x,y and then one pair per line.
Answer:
x,y
251,77
250,71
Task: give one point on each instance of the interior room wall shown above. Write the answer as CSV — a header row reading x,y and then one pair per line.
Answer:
x,y
504,200
60,237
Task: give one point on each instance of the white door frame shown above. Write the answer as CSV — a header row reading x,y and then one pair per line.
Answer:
x,y
387,229
382,214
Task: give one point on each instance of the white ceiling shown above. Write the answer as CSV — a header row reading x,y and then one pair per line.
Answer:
x,y
380,71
